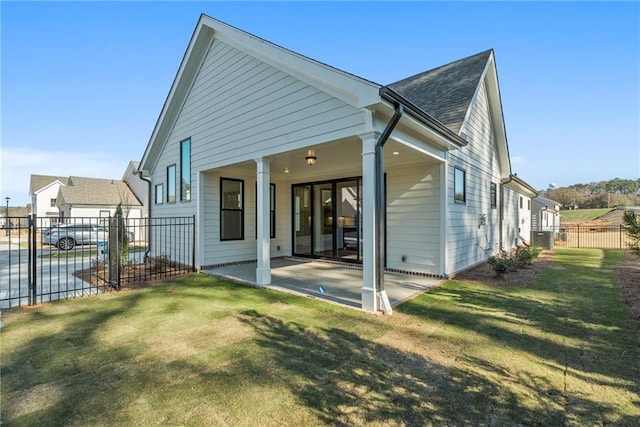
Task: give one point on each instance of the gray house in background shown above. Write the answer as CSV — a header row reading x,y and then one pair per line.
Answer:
x,y
545,214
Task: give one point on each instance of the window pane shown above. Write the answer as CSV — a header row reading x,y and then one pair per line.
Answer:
x,y
185,170
459,185
159,193
171,184
494,195
231,209
231,194
231,224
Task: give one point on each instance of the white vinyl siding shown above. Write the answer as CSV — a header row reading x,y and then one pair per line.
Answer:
x,y
239,109
220,252
413,218
470,242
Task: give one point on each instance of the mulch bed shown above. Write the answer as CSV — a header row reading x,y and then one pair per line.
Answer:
x,y
627,276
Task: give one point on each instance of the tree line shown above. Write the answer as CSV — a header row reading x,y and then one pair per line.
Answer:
x,y
594,195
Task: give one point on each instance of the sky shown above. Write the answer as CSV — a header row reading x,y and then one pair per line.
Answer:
x,y
83,83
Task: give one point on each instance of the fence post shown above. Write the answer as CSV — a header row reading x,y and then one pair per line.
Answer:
x,y
32,256
578,235
193,244
114,251
621,231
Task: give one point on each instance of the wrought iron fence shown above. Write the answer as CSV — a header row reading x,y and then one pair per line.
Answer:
x,y
592,236
40,262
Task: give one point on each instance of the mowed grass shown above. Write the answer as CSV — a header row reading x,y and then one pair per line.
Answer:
x,y
200,351
582,215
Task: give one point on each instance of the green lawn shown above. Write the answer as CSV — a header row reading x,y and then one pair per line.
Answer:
x,y
582,215
199,351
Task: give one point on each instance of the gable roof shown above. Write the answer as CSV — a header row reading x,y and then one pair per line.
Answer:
x,y
446,92
96,192
38,182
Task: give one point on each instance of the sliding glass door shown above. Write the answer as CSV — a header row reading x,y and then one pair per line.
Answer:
x,y
326,220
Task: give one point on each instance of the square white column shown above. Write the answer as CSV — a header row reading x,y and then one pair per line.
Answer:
x,y
263,218
369,265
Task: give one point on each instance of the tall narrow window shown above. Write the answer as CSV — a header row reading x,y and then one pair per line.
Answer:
x,y
185,170
171,184
529,205
521,202
159,194
231,209
459,186
494,195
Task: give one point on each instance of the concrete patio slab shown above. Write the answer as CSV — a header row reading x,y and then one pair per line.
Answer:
x,y
337,283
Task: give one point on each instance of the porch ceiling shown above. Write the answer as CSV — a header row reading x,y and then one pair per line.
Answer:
x,y
342,158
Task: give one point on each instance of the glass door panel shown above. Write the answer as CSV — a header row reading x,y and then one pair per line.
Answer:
x,y
323,220
302,237
348,220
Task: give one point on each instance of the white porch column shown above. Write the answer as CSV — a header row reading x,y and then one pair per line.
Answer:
x,y
263,209
444,216
369,266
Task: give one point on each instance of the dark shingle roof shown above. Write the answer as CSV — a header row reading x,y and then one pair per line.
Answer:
x,y
445,92
96,191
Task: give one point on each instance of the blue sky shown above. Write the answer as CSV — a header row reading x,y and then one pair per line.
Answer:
x,y
83,83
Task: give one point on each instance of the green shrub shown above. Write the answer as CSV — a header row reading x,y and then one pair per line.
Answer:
x,y
632,228
505,262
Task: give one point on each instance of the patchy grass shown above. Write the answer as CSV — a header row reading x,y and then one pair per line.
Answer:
x,y
200,351
582,215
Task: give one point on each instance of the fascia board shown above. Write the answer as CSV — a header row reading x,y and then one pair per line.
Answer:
x,y
411,122
51,184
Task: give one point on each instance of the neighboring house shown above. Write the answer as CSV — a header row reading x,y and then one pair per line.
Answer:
x,y
276,155
97,198
517,205
138,186
55,198
545,214
43,190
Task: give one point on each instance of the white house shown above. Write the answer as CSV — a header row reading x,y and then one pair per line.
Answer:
x,y
277,155
43,190
97,198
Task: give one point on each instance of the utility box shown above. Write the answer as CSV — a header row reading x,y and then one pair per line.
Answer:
x,y
542,239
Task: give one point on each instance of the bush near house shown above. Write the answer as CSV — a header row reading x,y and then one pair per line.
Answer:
x,y
631,221
505,262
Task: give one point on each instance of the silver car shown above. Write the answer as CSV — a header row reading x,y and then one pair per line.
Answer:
x,y
66,237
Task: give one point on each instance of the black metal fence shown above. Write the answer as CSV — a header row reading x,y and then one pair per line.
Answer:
x,y
41,262
592,236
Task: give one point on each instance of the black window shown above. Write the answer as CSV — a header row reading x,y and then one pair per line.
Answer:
x,y
171,184
231,209
459,186
159,194
521,202
53,203
494,195
185,170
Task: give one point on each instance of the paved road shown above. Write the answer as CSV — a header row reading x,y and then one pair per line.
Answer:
x,y
54,276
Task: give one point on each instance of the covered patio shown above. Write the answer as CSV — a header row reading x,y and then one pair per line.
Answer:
x,y
337,283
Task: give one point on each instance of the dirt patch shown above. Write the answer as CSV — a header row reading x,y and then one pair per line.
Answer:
x,y
524,276
132,276
627,276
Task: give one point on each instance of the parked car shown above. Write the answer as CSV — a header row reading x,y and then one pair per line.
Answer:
x,y
66,237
